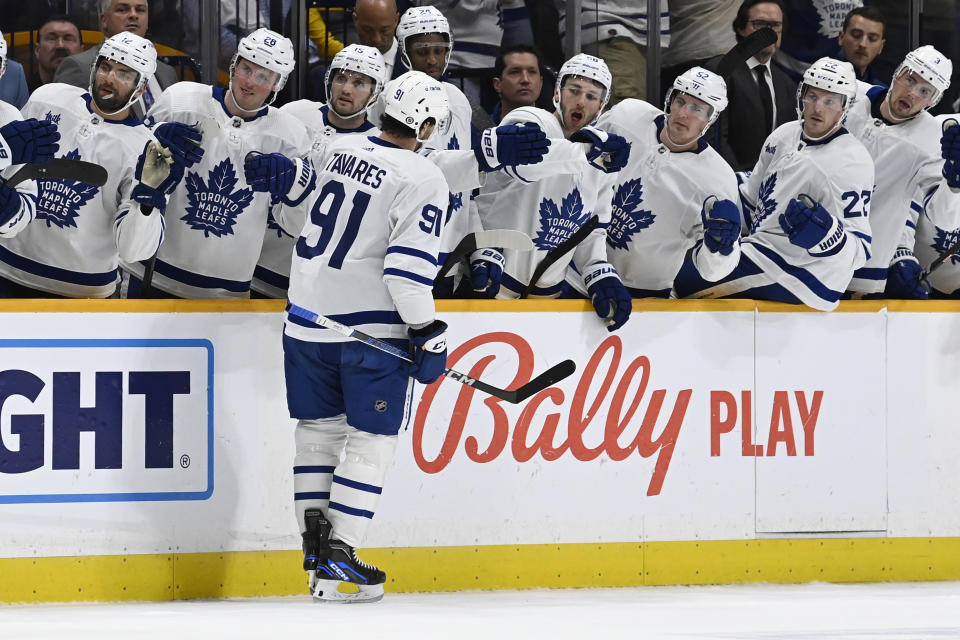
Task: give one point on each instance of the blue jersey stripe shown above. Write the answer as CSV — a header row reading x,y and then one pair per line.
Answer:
x,y
56,273
416,253
351,511
409,275
197,280
272,278
312,495
362,486
810,281
870,273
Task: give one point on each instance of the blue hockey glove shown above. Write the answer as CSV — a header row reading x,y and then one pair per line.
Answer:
x,y
810,226
10,203
611,300
486,269
511,145
287,180
608,152
183,141
950,150
157,174
721,225
429,351
31,140
904,279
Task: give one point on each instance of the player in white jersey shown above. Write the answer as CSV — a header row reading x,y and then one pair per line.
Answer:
x,y
676,192
551,200
806,237
81,232
365,257
215,220
912,165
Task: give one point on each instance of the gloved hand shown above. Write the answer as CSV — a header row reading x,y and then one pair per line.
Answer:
x,y
721,225
10,202
810,226
429,351
611,300
182,140
287,180
511,145
950,150
486,269
608,151
904,277
30,140
157,174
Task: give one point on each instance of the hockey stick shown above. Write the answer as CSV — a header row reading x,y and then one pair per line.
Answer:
x,y
744,50
495,238
546,379
559,251
61,168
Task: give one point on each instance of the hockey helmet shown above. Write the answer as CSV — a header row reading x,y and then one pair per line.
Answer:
x,y
269,50
130,50
414,98
932,66
584,66
360,59
703,85
416,21
830,75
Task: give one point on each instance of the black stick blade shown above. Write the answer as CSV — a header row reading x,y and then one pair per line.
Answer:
x,y
546,379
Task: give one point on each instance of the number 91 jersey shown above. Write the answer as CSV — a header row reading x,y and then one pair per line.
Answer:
x,y
367,254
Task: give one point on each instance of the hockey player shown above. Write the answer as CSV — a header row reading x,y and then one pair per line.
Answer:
x,y
913,165
215,221
806,235
81,232
366,257
676,193
570,187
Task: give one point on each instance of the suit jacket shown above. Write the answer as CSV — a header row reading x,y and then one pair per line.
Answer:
x,y
736,135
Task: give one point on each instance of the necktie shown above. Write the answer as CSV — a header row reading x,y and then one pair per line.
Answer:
x,y
765,100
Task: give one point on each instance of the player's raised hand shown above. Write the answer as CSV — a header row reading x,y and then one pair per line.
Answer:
x,y
810,226
950,150
608,152
30,141
721,225
182,140
157,174
486,271
287,180
511,145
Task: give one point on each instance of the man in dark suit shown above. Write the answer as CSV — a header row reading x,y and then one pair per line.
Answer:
x,y
761,96
117,16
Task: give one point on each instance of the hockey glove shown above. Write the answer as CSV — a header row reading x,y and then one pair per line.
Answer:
x,y
289,181
950,150
511,145
429,351
904,277
183,141
10,203
486,269
611,300
608,151
721,225
157,174
31,140
810,226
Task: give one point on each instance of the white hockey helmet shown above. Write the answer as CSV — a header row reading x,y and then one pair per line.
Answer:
x,y
703,85
830,75
3,55
932,66
416,21
585,66
360,59
415,97
131,50
269,50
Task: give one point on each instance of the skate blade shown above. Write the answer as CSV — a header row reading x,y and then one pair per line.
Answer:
x,y
330,591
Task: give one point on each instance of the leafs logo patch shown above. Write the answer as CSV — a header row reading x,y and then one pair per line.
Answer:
x,y
766,204
454,143
59,201
832,13
627,219
214,205
944,241
558,224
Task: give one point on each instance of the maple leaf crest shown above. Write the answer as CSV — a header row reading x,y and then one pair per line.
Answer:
x,y
944,241
831,14
214,205
556,225
59,201
456,201
454,143
627,219
765,202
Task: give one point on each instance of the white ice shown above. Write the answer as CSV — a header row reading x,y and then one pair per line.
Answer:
x,y
889,611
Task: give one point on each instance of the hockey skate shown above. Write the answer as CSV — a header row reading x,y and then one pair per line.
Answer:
x,y
341,566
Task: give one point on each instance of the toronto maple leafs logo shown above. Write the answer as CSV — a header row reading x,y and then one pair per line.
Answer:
x,y
771,149
454,143
214,205
556,225
766,204
51,117
832,13
944,241
627,219
59,201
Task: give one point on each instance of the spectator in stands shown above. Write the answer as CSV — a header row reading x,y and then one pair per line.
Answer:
x,y
57,39
117,16
13,84
376,24
699,30
861,41
761,96
518,79
814,27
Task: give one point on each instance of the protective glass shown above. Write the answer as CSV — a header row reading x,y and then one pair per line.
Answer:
x,y
255,74
105,69
693,108
353,79
827,100
916,85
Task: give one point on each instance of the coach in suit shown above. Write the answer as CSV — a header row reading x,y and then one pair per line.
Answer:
x,y
761,96
117,16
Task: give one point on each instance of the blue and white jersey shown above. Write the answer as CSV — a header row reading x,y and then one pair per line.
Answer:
x,y
477,27
908,169
215,221
81,232
367,255
27,189
657,201
608,19
272,275
836,172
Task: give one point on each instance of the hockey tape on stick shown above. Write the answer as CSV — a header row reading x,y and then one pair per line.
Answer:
x,y
744,50
546,379
559,251
494,239
61,168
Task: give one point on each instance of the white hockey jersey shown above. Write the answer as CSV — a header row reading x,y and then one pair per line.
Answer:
x,y
367,255
830,172
908,168
81,232
657,202
215,221
27,189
